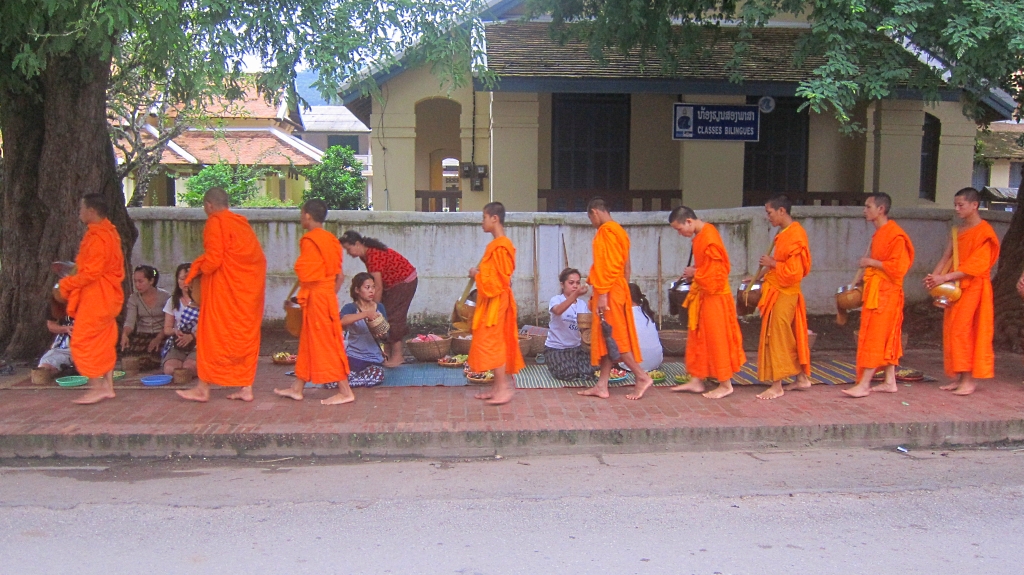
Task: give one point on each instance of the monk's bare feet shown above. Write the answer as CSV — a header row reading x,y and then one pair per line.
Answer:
x,y
501,397
966,387
887,387
802,383
94,396
340,398
859,390
290,392
243,394
642,385
952,385
721,391
596,391
695,385
486,394
195,394
773,392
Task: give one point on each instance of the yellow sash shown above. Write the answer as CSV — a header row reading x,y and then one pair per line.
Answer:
x,y
693,302
872,286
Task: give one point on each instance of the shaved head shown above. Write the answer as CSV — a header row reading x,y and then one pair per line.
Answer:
x,y
217,198
969,195
597,205
681,214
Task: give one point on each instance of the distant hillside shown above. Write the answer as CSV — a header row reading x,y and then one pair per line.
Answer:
x,y
303,85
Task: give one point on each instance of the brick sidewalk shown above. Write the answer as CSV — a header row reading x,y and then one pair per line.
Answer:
x,y
449,421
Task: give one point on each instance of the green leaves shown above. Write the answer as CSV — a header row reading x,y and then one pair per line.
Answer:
x,y
338,180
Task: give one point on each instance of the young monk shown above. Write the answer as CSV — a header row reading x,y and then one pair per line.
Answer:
x,y
879,343
322,357
495,343
94,295
232,271
968,324
609,276
783,350
714,347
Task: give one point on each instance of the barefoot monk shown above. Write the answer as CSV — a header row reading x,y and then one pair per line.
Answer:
x,y
784,350
232,273
322,358
714,347
609,276
968,324
879,343
94,295
495,344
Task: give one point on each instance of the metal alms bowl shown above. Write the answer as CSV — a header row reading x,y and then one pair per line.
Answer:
x,y
849,297
746,301
944,294
677,294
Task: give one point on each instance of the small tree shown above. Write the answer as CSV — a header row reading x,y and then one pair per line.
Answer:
x,y
240,182
338,180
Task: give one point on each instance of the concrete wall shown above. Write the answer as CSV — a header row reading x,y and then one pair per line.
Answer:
x,y
443,246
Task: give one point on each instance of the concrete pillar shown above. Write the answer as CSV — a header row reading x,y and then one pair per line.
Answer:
x,y
898,152
394,158
480,152
711,173
513,163
956,151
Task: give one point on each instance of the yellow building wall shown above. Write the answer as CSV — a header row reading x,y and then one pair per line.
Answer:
x,y
514,150
437,133
544,141
711,173
1000,174
835,162
653,154
956,150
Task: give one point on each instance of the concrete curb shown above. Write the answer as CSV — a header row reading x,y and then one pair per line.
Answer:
x,y
516,443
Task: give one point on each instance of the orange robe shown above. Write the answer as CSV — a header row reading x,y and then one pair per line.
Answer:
x,y
879,342
783,350
968,325
714,347
608,276
234,273
95,297
322,357
495,324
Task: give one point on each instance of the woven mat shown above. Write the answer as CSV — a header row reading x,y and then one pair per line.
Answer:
x,y
831,372
423,375
538,377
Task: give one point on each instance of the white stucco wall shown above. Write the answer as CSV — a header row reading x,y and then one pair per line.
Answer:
x,y
443,246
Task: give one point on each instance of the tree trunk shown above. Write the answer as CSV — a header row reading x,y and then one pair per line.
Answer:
x,y
56,149
1008,304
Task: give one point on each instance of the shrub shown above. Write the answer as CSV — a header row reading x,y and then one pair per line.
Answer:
x,y
242,183
338,180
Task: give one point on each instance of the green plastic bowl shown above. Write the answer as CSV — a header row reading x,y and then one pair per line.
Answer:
x,y
72,381
118,375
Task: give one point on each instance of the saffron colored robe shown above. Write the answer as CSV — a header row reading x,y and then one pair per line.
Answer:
x,y
322,357
233,274
608,276
95,297
495,324
968,325
879,342
714,347
783,350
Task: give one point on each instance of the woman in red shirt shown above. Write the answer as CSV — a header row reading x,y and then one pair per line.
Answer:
x,y
396,285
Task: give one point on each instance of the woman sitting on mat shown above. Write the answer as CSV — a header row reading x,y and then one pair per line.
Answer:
x,y
365,360
143,334
395,280
181,315
564,354
646,330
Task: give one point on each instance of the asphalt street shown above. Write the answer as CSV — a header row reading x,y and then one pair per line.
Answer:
x,y
809,511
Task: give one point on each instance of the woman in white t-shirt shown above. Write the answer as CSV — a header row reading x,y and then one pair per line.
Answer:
x,y
646,331
180,318
564,354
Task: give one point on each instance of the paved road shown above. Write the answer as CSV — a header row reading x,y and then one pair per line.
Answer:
x,y
804,512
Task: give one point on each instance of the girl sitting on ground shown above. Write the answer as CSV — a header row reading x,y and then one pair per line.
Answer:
x,y
181,316
646,330
365,359
564,354
143,334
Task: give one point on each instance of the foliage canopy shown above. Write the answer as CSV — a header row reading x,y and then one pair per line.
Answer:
x,y
338,180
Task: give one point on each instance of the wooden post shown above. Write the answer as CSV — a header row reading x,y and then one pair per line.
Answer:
x,y
661,291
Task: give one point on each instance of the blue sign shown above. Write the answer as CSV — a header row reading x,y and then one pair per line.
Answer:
x,y
714,122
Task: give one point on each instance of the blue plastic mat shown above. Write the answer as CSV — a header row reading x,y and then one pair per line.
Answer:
x,y
423,375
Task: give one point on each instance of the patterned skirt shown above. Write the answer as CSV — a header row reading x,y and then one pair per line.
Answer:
x,y
572,364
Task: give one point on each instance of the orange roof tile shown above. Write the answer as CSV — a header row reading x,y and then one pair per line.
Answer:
x,y
237,147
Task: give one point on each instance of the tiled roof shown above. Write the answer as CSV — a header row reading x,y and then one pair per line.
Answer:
x,y
331,119
1002,145
526,49
243,147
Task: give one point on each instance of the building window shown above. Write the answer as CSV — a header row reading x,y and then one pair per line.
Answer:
x,y
930,157
981,177
171,191
777,163
1015,174
350,141
590,142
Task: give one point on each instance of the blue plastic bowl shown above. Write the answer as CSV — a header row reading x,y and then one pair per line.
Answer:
x,y
155,380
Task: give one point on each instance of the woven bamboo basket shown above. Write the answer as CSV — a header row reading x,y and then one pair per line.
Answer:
x,y
460,346
292,313
182,376
525,344
673,341
537,344
429,350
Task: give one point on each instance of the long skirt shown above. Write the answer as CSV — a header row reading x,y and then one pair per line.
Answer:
x,y
572,364
363,374
396,303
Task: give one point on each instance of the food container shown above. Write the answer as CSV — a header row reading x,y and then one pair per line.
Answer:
x,y
945,294
746,301
849,297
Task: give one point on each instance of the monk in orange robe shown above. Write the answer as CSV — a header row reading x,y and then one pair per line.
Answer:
x,y
95,296
714,347
783,350
969,323
610,278
495,344
879,343
322,358
232,272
